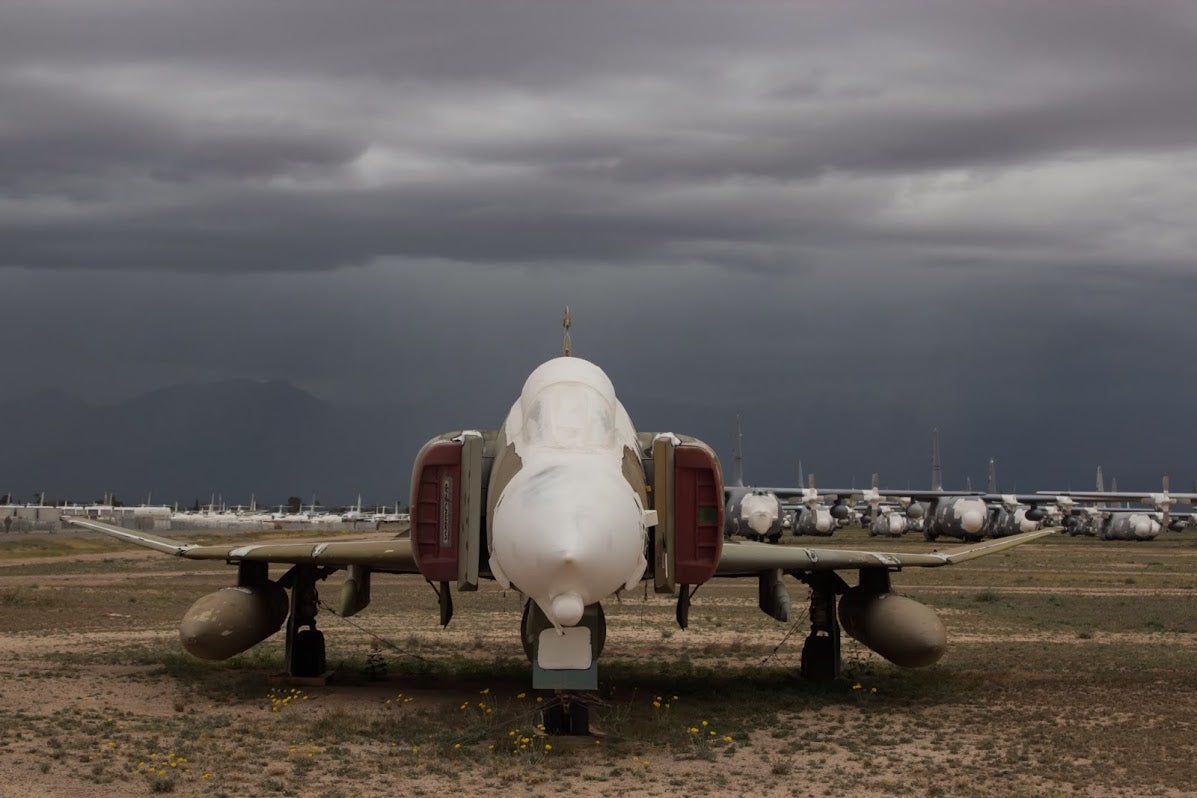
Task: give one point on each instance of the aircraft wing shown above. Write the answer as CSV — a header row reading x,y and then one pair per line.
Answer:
x,y
1021,498
926,495
389,554
1146,497
794,497
741,558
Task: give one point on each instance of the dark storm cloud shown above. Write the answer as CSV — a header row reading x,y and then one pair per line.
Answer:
x,y
223,137
849,222
54,134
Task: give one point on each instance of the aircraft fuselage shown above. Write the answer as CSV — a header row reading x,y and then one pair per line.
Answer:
x,y
964,517
814,520
891,523
562,546
1130,526
1004,522
753,513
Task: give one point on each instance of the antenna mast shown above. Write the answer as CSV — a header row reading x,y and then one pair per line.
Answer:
x,y
565,323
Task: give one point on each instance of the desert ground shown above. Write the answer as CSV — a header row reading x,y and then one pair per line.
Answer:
x,y
1072,670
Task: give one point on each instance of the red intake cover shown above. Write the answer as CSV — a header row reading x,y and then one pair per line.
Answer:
x,y
435,509
698,510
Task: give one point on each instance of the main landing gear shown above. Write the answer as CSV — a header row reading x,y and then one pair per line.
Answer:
x,y
567,713
305,654
821,651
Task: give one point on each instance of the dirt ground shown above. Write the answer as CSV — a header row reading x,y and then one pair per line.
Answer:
x,y
1071,671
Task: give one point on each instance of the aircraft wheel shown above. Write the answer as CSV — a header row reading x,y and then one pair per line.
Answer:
x,y
819,658
307,659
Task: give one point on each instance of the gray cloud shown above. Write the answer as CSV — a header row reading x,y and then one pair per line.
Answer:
x,y
229,138
881,216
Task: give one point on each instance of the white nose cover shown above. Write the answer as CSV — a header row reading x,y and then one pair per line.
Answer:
x,y
568,531
759,511
972,520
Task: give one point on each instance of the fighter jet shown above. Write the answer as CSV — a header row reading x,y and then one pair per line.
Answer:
x,y
567,503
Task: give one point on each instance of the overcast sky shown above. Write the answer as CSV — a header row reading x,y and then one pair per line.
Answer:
x,y
848,221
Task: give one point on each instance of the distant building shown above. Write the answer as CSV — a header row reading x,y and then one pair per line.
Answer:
x,y
29,517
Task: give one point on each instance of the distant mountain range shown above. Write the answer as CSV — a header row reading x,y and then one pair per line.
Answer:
x,y
187,442
273,440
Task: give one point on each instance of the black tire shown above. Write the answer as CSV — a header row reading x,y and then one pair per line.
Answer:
x,y
819,658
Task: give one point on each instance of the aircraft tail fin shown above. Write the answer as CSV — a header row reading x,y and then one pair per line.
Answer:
x,y
936,465
738,456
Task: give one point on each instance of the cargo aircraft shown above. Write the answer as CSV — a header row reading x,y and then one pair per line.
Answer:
x,y
968,515
568,504
937,512
752,512
1100,516
760,513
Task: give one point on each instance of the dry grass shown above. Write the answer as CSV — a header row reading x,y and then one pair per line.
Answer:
x,y
1072,672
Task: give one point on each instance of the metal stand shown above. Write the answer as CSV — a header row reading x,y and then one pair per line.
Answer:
x,y
568,714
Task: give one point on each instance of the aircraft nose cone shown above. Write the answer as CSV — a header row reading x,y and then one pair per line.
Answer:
x,y
972,521
760,522
566,609
563,546
1146,528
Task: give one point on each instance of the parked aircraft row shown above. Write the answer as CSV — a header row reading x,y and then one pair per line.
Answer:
x,y
217,515
977,516
769,513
